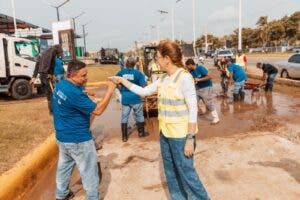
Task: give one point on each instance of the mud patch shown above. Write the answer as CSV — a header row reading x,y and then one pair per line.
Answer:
x,y
223,175
290,166
266,123
157,187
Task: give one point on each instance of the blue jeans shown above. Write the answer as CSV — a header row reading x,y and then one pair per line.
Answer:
x,y
137,109
270,81
181,175
84,155
60,77
238,87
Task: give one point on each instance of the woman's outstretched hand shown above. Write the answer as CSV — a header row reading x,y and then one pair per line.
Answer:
x,y
115,79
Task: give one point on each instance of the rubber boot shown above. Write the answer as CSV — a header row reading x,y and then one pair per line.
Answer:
x,y
235,97
69,196
124,132
141,129
242,95
215,116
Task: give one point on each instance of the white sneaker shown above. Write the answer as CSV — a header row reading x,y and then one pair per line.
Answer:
x,y
215,116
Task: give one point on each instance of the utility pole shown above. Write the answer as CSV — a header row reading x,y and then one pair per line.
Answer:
x,y
240,25
57,8
84,34
14,16
84,43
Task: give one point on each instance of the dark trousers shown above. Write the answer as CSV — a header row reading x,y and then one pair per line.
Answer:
x,y
45,84
270,81
224,83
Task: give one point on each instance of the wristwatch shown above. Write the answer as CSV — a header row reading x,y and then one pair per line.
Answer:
x,y
190,136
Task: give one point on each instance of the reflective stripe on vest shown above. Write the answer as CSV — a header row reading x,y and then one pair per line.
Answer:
x,y
172,109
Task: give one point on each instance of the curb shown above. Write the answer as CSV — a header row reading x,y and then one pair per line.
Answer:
x,y
25,174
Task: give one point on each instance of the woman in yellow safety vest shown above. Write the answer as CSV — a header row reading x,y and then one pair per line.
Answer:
x,y
177,116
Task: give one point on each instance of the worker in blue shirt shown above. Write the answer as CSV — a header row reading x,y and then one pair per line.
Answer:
x,y
131,100
59,71
239,76
72,113
204,88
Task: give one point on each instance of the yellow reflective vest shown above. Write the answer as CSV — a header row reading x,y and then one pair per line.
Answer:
x,y
173,113
153,66
239,60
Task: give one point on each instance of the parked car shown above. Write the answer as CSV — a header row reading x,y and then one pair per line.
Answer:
x,y
222,53
296,50
209,54
290,68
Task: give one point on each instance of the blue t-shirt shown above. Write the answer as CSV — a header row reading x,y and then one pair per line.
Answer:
x,y
136,77
58,67
71,112
200,72
238,72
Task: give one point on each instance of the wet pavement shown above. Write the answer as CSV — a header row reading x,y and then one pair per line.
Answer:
x,y
259,112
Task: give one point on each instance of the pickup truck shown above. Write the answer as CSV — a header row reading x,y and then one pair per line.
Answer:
x,y
222,53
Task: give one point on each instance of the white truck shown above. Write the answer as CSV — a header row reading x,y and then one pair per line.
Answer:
x,y
17,63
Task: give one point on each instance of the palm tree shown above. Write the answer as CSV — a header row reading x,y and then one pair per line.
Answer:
x,y
262,24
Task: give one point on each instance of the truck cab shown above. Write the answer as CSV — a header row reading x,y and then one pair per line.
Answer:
x,y
17,63
109,56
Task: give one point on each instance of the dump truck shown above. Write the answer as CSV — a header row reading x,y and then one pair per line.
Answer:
x,y
18,57
109,56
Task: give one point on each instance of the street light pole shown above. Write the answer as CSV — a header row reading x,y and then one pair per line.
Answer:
x,y
162,12
194,27
57,8
157,32
74,25
14,16
240,25
206,45
74,18
173,19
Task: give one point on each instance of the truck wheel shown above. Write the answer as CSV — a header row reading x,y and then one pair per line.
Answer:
x,y
21,89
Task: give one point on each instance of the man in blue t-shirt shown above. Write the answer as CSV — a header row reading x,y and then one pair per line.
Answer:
x,y
239,76
72,111
203,87
131,100
59,71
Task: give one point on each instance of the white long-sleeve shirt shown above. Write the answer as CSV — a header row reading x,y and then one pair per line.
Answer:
x,y
186,88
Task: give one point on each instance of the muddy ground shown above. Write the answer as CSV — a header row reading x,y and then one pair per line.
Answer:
x,y
27,123
253,153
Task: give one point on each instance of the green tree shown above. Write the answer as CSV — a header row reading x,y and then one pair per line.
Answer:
x,y
276,31
262,24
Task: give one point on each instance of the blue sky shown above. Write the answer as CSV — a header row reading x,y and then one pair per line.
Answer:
x,y
118,23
